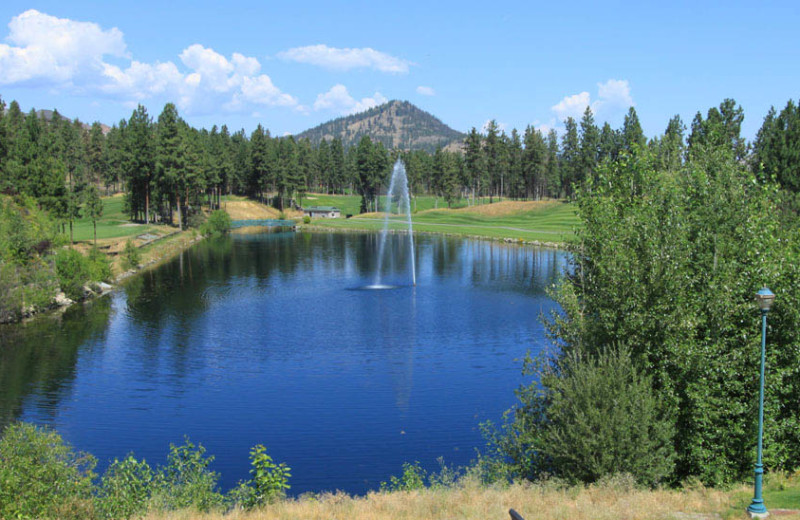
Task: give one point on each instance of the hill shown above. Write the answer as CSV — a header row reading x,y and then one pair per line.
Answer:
x,y
397,124
47,115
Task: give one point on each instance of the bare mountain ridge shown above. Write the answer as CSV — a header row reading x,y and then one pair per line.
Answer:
x,y
397,124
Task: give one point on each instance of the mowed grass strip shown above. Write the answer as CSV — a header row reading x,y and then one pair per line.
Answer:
x,y
552,222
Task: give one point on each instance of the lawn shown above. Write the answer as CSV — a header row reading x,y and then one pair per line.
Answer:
x,y
113,224
542,222
351,204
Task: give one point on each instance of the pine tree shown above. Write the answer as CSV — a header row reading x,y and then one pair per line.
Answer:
x,y
139,162
570,157
632,135
589,147
94,208
170,163
474,162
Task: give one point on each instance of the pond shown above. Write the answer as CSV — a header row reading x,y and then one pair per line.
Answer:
x,y
269,338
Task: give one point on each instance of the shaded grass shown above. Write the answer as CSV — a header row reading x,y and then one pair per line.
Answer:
x,y
552,222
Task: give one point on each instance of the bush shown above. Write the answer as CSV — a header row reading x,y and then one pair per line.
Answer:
x,y
269,483
125,489
130,255
218,223
413,477
196,219
186,481
41,476
99,266
588,418
306,219
73,272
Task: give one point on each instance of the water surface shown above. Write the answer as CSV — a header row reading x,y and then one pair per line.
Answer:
x,y
271,339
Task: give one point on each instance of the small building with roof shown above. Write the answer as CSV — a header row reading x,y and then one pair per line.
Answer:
x,y
322,212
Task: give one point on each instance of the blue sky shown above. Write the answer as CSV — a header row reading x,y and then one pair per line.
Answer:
x,y
292,65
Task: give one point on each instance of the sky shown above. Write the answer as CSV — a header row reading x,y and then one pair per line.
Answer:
x,y
293,65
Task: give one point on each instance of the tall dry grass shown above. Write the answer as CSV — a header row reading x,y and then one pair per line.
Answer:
x,y
470,501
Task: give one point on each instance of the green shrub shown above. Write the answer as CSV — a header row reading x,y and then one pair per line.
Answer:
x,y
41,476
73,272
99,266
218,223
306,219
269,481
125,489
130,255
589,417
196,219
413,477
186,481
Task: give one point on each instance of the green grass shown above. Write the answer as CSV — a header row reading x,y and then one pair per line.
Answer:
x,y
780,492
351,204
549,223
113,224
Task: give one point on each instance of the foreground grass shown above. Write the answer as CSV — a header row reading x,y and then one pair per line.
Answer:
x,y
470,501
550,222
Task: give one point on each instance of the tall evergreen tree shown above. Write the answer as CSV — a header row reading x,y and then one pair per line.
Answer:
x,y
570,157
169,158
589,146
632,135
474,161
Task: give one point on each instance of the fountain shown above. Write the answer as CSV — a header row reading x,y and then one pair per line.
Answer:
x,y
398,186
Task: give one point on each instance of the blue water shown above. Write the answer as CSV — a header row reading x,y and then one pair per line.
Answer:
x,y
271,339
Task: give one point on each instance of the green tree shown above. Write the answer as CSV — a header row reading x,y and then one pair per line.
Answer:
x,y
570,157
589,416
170,161
94,208
668,263
589,145
632,135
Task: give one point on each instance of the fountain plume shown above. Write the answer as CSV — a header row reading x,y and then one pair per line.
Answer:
x,y
398,186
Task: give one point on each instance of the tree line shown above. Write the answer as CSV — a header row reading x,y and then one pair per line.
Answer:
x,y
168,170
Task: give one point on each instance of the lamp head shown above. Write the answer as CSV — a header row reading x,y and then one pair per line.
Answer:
x,y
764,298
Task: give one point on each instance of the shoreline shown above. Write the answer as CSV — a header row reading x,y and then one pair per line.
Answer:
x,y
157,252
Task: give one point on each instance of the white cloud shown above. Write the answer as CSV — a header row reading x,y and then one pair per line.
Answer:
x,y
346,59
46,51
425,91
613,99
339,99
572,106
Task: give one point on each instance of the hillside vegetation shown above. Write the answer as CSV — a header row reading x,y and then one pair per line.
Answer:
x,y
399,125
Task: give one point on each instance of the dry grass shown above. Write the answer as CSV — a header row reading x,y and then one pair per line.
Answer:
x,y
473,502
500,209
249,210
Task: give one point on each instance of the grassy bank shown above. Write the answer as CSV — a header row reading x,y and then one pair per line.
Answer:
x,y
471,501
546,222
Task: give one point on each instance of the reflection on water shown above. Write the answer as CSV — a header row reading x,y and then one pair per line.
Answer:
x,y
259,338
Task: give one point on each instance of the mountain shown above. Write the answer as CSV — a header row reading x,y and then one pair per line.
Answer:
x,y
47,115
397,124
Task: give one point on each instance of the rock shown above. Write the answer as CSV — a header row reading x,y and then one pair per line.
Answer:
x,y
62,301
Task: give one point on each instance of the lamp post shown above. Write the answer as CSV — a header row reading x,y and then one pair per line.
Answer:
x,y
757,509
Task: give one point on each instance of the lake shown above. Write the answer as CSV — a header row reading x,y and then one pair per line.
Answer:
x,y
270,338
